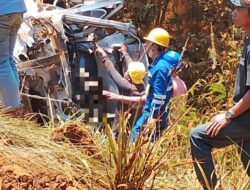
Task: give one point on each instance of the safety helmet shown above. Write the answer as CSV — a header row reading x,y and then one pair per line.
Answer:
x,y
136,72
159,36
172,57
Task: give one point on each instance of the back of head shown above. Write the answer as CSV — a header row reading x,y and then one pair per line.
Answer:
x,y
136,72
172,57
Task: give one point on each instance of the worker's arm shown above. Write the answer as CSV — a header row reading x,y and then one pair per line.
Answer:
x,y
137,93
127,59
220,121
121,82
124,51
130,100
244,103
241,106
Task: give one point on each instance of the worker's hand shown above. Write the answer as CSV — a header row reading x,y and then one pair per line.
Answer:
x,y
127,77
217,124
100,52
110,95
123,49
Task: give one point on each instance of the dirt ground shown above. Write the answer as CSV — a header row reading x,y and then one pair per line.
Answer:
x,y
25,174
13,175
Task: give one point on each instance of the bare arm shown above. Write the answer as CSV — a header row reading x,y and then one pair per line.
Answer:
x,y
124,51
130,100
119,80
241,106
127,59
220,121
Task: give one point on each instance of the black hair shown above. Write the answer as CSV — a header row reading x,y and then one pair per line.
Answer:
x,y
161,48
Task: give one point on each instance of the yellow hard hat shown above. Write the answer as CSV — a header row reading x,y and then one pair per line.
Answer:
x,y
136,72
159,36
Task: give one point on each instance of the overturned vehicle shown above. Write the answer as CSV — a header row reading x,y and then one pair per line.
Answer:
x,y
55,58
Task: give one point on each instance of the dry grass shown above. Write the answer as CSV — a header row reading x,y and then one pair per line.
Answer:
x,y
165,164
31,143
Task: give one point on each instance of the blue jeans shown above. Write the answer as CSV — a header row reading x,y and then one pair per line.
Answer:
x,y
238,131
142,122
9,79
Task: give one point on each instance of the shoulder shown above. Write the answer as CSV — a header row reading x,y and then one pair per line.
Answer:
x,y
163,65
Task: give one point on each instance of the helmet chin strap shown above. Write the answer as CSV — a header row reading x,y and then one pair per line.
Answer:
x,y
145,51
154,54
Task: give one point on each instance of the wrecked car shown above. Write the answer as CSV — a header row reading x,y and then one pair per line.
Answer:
x,y
55,58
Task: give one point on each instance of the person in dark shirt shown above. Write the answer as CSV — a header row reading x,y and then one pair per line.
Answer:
x,y
233,126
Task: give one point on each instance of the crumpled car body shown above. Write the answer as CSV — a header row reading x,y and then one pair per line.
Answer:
x,y
58,69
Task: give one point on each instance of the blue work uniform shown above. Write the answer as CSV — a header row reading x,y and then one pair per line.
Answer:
x,y
159,92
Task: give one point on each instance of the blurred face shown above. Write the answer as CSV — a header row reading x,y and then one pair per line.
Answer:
x,y
241,17
147,45
151,49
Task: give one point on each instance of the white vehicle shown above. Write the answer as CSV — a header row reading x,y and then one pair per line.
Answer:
x,y
58,68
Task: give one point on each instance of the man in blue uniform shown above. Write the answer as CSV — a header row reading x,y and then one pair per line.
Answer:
x,y
11,15
153,100
159,89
